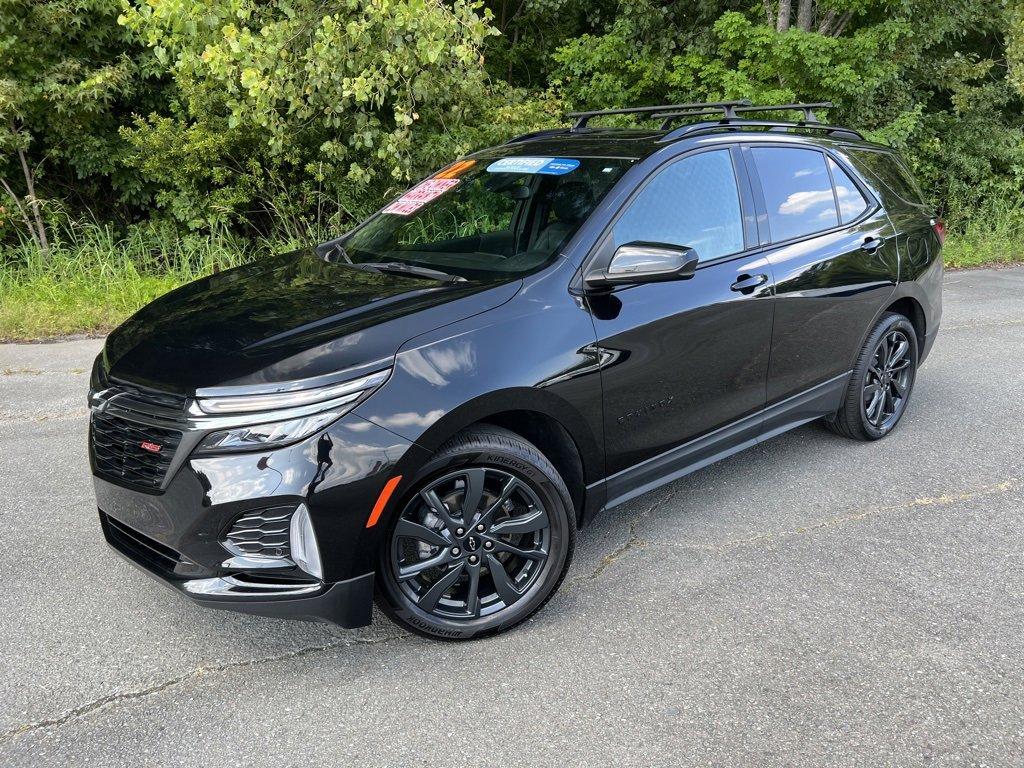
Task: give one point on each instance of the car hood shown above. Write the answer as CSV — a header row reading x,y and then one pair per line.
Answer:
x,y
283,318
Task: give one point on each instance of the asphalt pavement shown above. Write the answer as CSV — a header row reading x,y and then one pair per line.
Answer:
x,y
812,601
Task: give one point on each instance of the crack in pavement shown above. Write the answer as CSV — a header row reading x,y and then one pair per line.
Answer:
x,y
633,541
926,501
29,371
13,417
193,674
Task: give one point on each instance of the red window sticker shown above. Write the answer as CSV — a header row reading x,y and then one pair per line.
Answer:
x,y
420,195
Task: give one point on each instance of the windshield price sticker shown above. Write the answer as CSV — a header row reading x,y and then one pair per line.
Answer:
x,y
420,195
545,166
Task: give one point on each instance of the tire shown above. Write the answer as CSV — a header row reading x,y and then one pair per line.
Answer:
x,y
879,390
435,550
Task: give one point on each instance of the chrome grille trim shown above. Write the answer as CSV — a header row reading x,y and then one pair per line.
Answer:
x,y
261,533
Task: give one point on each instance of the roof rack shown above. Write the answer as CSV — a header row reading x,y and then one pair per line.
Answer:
x,y
727,108
809,117
810,121
668,118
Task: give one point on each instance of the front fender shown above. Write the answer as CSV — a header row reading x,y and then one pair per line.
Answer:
x,y
536,353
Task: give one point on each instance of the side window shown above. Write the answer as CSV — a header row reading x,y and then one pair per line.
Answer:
x,y
851,201
891,172
797,191
694,202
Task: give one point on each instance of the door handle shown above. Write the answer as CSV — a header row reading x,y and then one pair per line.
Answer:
x,y
747,283
872,244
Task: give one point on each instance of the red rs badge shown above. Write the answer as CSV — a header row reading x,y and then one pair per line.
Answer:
x,y
151,447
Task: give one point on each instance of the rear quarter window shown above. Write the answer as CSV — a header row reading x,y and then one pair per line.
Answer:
x,y
889,173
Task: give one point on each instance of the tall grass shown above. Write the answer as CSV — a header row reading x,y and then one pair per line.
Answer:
x,y
95,277
990,237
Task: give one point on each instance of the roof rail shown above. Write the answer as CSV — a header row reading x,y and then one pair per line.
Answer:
x,y
810,121
809,117
667,118
696,129
728,109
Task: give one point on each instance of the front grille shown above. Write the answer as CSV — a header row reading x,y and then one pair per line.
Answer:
x,y
118,453
261,533
140,547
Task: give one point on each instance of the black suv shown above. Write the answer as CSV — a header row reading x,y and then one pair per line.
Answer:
x,y
427,408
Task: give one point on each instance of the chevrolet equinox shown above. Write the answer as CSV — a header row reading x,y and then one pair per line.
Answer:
x,y
426,409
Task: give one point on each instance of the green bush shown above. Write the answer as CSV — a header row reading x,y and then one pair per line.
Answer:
x,y
195,134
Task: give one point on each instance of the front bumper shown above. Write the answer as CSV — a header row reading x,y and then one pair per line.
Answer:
x,y
346,603
177,534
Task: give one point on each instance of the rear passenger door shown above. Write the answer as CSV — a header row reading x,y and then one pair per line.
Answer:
x,y
833,254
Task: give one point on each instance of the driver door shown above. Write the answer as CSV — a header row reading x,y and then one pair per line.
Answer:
x,y
685,357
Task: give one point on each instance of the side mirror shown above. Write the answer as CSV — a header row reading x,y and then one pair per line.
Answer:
x,y
639,262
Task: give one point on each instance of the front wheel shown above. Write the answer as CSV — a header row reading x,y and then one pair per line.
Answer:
x,y
881,382
483,540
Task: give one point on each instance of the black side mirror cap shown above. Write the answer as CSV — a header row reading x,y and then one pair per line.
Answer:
x,y
643,262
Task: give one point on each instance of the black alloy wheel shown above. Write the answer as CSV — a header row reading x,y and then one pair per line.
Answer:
x,y
479,545
888,380
881,382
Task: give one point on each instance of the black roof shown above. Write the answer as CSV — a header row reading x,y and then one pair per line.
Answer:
x,y
634,143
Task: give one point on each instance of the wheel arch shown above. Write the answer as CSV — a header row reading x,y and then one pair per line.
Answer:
x,y
911,309
903,302
540,417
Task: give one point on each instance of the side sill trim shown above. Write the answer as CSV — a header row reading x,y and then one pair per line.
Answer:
x,y
813,403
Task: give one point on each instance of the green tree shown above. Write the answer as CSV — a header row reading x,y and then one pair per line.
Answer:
x,y
67,75
929,78
284,104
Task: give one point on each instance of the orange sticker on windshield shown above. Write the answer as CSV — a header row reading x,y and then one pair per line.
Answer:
x,y
420,195
455,170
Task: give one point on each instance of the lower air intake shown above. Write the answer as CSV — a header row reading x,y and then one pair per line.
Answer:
x,y
260,533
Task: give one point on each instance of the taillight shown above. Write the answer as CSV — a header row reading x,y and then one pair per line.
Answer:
x,y
940,230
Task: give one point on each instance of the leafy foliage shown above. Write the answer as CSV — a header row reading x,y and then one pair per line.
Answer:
x,y
910,74
282,103
293,118
68,77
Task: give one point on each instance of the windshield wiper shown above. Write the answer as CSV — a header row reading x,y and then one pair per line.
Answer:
x,y
401,268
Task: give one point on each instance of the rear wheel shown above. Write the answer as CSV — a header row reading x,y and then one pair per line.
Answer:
x,y
483,540
881,383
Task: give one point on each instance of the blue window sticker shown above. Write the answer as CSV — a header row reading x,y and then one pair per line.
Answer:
x,y
546,166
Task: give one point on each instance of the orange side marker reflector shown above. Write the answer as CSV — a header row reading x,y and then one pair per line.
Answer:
x,y
382,500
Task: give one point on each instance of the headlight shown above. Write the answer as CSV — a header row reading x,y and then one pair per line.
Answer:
x,y
266,435
280,417
332,394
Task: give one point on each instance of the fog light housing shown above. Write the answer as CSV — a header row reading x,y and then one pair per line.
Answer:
x,y
304,550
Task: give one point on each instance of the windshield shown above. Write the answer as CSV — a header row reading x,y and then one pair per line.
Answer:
x,y
486,218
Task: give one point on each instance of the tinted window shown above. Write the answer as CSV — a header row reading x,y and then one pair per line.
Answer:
x,y
851,201
797,191
484,216
890,171
693,202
